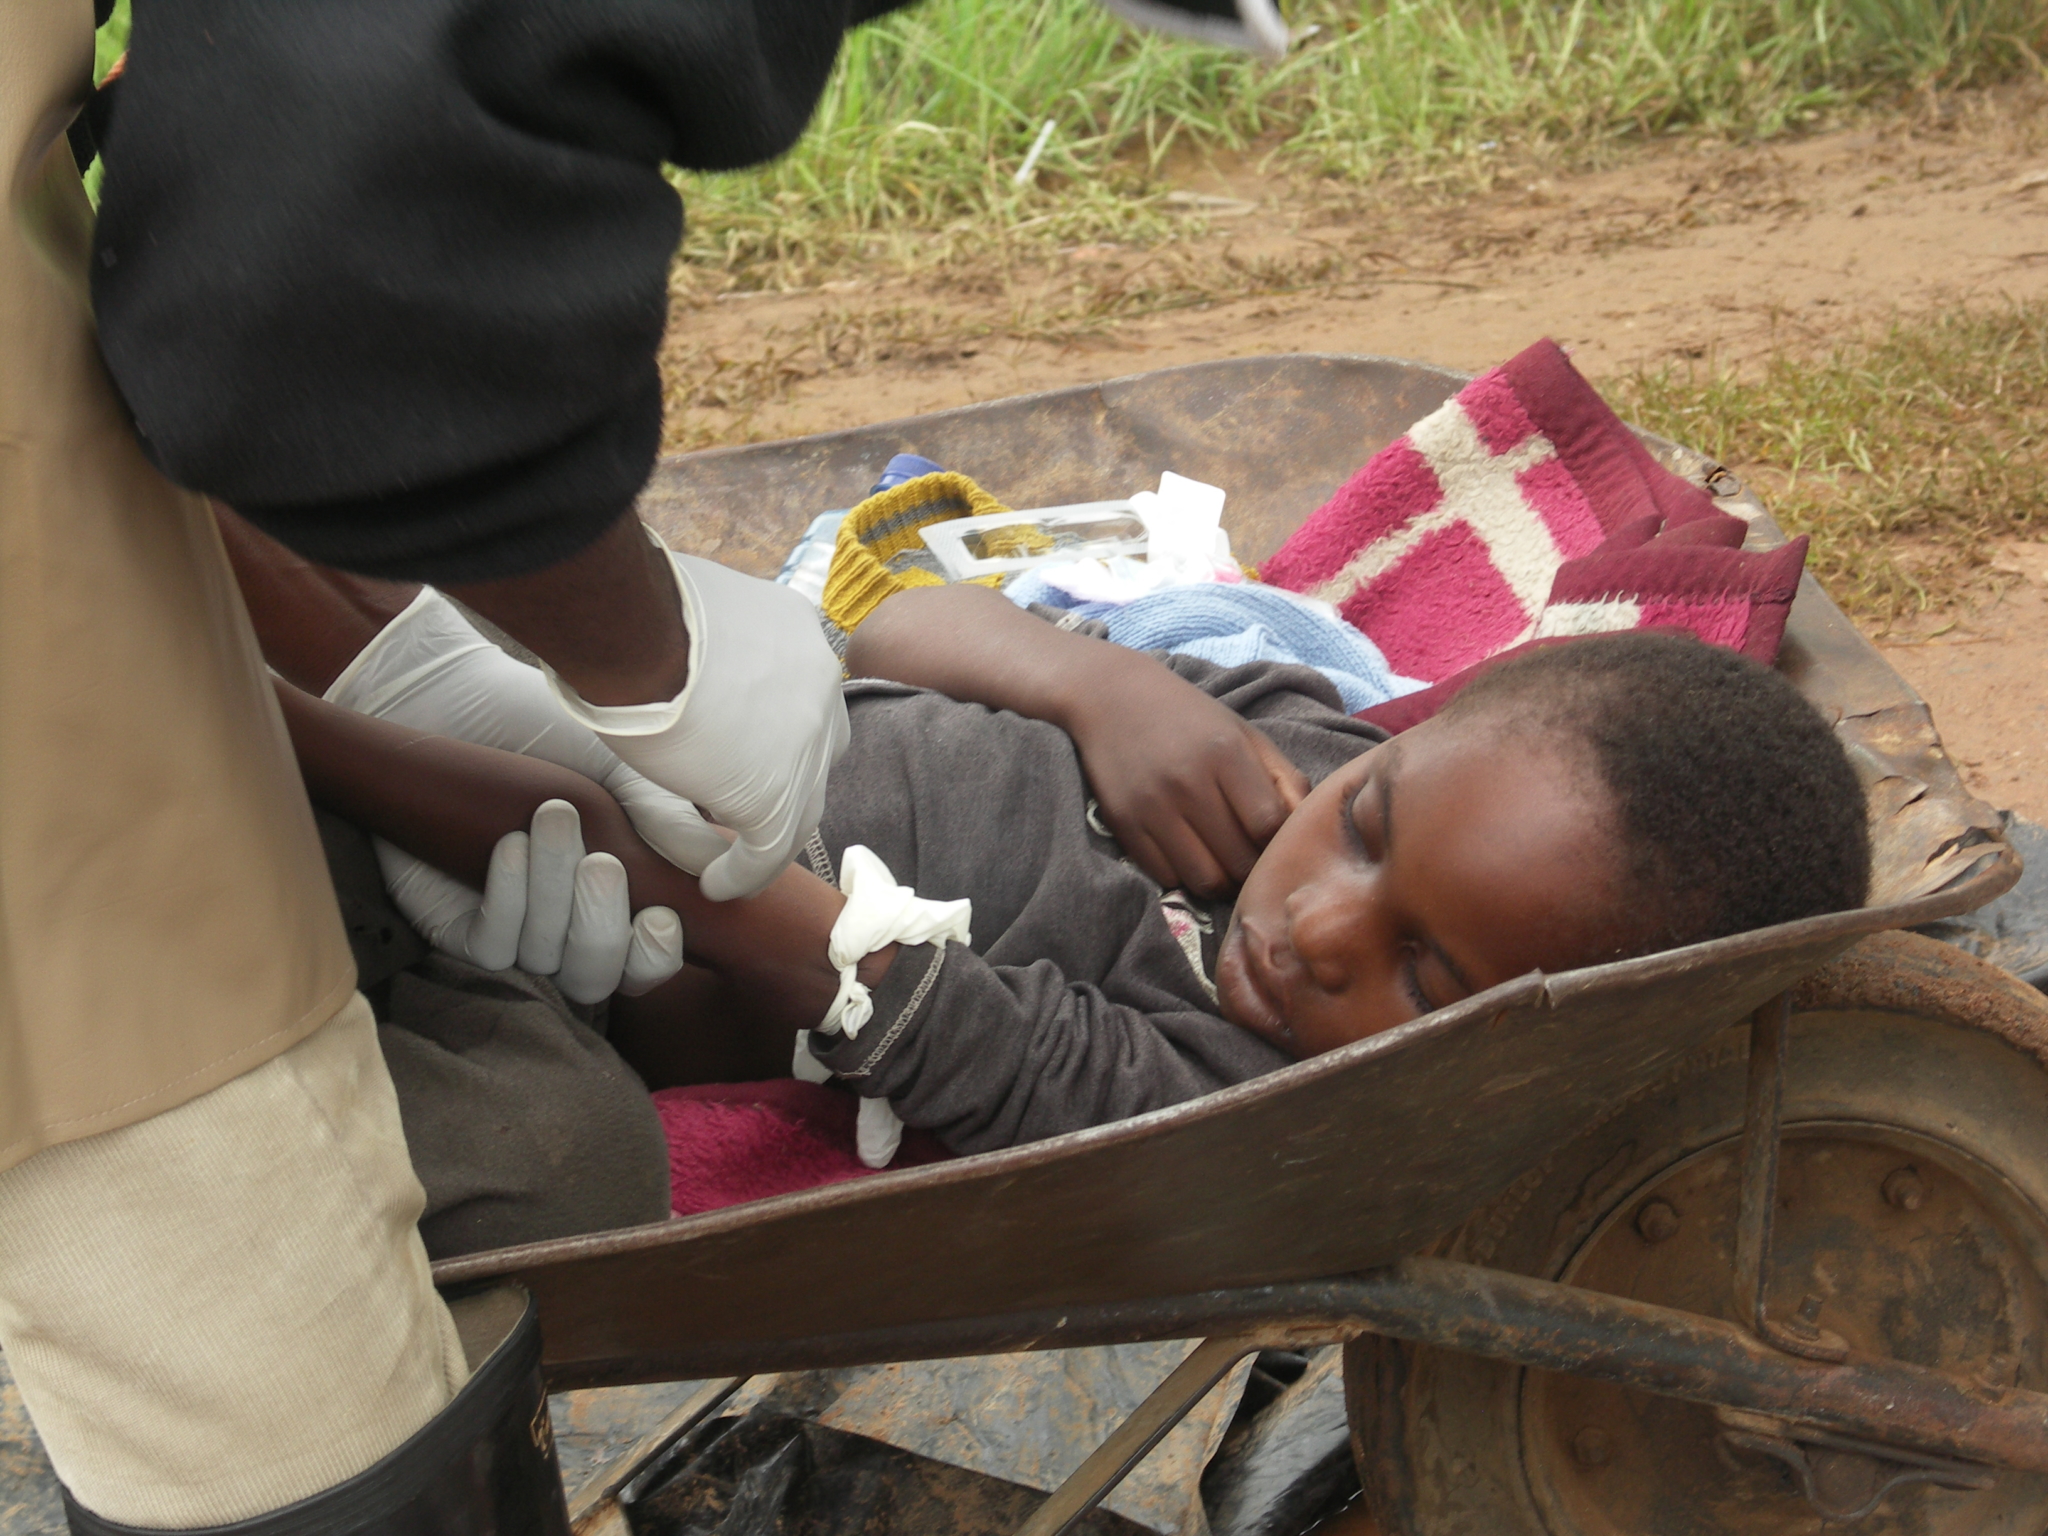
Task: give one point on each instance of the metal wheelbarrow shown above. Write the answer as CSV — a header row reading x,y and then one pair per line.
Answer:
x,y
1751,1235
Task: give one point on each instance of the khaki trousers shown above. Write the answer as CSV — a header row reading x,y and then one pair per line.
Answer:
x,y
225,1308
212,1290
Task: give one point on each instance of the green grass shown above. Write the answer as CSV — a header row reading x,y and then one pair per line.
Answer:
x,y
1905,453
111,41
931,111
108,46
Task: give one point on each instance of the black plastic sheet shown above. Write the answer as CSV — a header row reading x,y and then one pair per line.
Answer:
x,y
2011,932
1285,1468
770,1475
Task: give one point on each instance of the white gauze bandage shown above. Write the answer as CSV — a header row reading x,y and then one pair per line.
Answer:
x,y
878,913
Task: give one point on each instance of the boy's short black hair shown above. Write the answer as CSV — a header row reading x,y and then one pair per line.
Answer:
x,y
1738,806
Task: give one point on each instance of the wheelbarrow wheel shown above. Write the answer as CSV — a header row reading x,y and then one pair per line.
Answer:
x,y
1912,1220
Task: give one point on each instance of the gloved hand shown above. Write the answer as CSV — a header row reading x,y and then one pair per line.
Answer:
x,y
754,731
545,905
430,669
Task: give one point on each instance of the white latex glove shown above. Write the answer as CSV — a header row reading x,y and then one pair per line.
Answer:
x,y
754,731
430,669
545,905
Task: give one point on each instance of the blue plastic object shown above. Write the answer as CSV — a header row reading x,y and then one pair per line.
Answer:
x,y
905,466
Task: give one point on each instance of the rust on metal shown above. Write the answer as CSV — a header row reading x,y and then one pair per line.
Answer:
x,y
1207,1364
1905,973
1591,1447
1903,1189
1598,1337
1405,1134
601,1490
1770,1032
1905,1053
1657,1221
1350,1162
1844,1479
1763,1109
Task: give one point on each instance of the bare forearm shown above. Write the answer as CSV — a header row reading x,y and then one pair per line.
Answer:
x,y
973,644
311,619
448,803
607,619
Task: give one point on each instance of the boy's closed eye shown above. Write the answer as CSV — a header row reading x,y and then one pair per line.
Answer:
x,y
1434,979
1424,872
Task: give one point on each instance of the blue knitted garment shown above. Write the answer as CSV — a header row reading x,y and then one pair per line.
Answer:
x,y
1230,625
1235,624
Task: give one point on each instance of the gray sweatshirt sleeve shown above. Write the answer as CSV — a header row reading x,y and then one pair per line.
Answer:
x,y
988,1056
1296,706
1080,1003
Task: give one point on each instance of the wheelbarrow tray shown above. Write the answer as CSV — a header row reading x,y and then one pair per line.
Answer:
x,y
1166,1225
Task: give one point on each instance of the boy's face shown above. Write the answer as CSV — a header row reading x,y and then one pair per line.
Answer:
x,y
1447,861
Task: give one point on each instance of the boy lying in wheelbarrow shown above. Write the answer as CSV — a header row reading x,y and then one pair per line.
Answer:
x,y
1579,804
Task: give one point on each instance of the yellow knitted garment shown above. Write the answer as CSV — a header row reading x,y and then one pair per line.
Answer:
x,y
886,525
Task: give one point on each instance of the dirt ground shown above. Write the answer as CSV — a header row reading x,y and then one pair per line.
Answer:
x,y
1691,250
1983,668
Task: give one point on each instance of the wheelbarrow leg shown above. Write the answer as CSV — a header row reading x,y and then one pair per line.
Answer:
x,y
1206,1364
598,1507
1762,1122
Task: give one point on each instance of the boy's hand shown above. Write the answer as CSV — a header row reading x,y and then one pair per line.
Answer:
x,y
1190,789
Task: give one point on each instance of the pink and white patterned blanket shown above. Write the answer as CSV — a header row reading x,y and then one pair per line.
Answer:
x,y
1524,509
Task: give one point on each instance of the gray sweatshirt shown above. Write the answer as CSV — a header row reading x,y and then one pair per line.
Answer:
x,y
1086,996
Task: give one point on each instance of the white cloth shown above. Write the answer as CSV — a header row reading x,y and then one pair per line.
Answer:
x,y
877,1130
878,913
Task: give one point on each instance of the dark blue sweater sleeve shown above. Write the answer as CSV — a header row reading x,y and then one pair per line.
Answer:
x,y
389,276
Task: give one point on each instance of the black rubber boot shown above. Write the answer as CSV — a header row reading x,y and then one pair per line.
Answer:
x,y
484,1466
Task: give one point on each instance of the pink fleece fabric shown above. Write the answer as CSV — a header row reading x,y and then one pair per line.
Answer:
x,y
729,1143
1521,511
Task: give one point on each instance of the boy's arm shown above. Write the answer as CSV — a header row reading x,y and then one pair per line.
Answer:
x,y
1191,791
449,802
987,1056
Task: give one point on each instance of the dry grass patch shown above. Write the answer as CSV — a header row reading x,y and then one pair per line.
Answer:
x,y
714,394
1906,453
915,155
